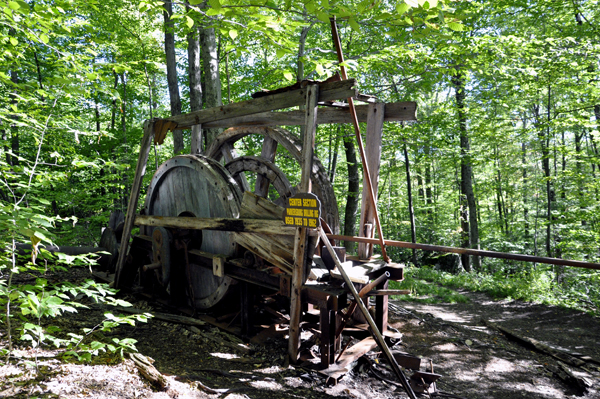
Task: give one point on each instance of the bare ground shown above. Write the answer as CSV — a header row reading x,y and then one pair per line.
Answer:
x,y
475,361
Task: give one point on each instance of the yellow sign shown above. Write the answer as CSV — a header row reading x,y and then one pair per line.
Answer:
x,y
303,210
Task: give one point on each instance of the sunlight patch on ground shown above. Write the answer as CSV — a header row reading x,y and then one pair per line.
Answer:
x,y
225,355
443,313
269,385
497,365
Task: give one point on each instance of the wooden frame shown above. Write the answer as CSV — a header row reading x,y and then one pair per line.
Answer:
x,y
259,112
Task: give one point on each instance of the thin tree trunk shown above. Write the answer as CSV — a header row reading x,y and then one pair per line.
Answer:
x,y
113,113
428,191
212,78
353,193
333,150
470,225
195,82
14,130
525,194
172,72
124,196
411,212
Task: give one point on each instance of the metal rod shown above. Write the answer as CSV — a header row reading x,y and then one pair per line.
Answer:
x,y
352,307
469,251
374,330
367,175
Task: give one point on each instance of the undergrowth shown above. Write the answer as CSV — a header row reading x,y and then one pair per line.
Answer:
x,y
577,289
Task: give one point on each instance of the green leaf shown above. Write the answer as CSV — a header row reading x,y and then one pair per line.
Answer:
x,y
401,8
44,38
323,16
233,34
456,26
14,41
353,24
288,75
215,4
319,69
280,52
189,22
14,5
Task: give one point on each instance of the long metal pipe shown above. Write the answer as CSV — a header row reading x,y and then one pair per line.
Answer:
x,y
374,330
469,251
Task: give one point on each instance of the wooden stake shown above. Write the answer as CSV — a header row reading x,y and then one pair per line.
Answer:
x,y
367,175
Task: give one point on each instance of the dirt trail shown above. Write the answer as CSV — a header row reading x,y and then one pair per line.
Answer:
x,y
479,362
475,361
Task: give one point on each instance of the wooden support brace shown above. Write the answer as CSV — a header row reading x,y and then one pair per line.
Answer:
x,y
136,186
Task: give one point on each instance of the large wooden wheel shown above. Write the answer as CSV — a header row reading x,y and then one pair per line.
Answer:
x,y
223,147
189,185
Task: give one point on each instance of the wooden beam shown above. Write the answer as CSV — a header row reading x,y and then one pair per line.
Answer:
x,y
328,91
394,112
375,119
140,171
301,242
221,224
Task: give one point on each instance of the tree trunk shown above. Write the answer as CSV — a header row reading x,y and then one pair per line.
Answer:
x,y
468,204
195,82
411,212
333,154
172,73
525,192
353,192
14,129
212,78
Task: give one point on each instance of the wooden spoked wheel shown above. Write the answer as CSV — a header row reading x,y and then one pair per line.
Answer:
x,y
269,172
189,185
223,147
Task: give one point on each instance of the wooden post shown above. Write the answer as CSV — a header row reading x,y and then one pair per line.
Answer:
x,y
140,170
196,142
301,241
375,117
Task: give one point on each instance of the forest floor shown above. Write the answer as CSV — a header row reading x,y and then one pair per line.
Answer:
x,y
475,361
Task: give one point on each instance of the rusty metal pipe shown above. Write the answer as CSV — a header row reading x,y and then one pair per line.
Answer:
x,y
469,251
361,147
374,330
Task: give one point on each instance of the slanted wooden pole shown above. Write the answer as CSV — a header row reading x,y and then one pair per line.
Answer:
x,y
301,240
140,170
367,176
375,117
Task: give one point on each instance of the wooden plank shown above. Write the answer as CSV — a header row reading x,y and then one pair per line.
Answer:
x,y
263,226
300,250
140,170
373,157
381,308
356,351
329,91
394,112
